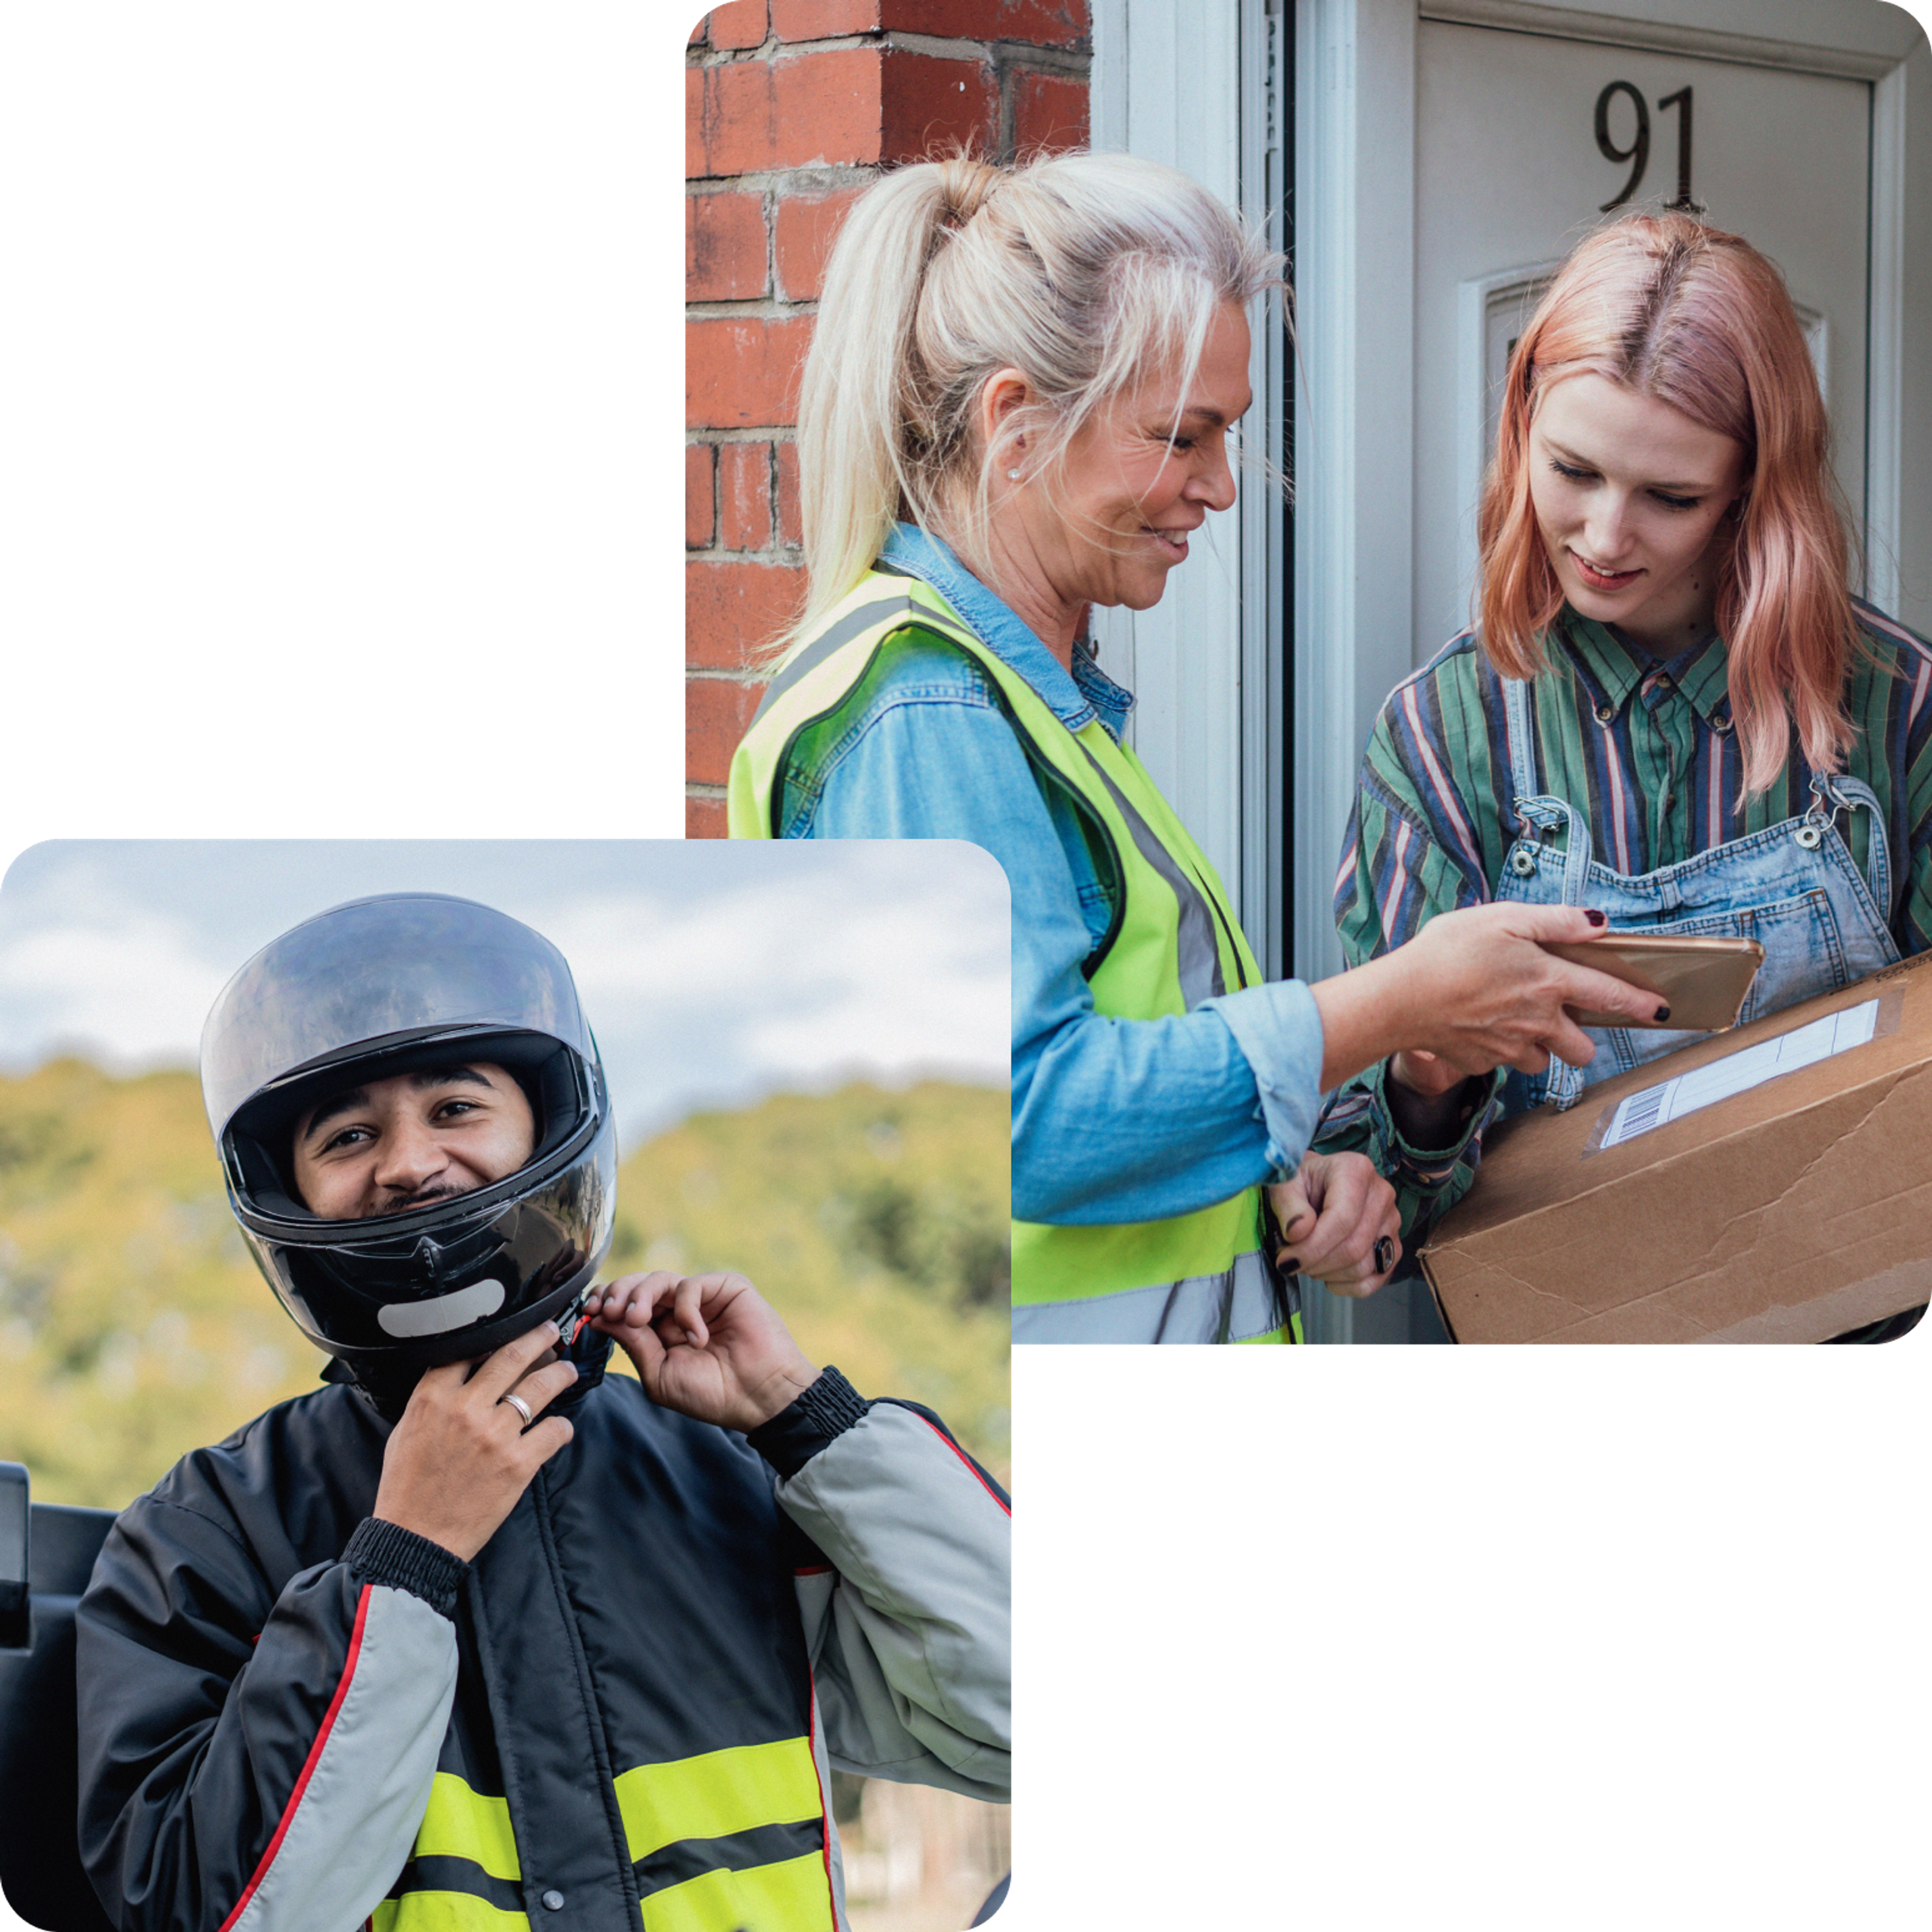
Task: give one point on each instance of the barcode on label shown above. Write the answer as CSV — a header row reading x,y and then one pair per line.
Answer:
x,y
1737,1072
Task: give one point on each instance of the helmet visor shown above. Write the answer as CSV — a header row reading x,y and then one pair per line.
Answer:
x,y
391,970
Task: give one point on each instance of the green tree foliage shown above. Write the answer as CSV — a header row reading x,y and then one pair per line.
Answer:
x,y
133,1327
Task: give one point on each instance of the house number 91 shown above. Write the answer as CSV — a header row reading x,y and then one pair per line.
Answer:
x,y
1638,153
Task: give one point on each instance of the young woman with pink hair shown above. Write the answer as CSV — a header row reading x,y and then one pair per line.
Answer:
x,y
1671,709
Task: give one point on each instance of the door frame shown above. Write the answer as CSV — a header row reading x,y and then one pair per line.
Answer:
x,y
1208,91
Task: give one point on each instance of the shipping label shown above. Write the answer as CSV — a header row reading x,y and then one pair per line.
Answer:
x,y
1737,1072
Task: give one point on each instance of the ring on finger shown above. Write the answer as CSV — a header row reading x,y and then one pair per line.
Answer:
x,y
517,1402
1385,1254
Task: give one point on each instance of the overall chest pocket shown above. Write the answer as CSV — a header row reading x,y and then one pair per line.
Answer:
x,y
1803,952
1802,956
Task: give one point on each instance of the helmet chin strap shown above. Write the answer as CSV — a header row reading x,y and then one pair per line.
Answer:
x,y
389,1385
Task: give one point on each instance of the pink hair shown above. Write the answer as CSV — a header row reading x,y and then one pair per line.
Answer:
x,y
1698,319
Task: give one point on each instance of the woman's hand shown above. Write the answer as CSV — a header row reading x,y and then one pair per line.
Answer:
x,y
1338,1222
1475,989
1498,999
709,1345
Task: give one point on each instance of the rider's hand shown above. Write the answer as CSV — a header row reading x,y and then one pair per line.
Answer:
x,y
708,1345
460,1456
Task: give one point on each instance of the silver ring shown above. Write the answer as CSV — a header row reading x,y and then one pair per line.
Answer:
x,y
517,1402
1384,1255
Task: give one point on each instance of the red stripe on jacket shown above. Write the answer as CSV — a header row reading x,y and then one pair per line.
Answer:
x,y
972,1467
308,1769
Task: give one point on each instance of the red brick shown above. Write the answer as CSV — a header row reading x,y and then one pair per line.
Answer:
x,y
929,104
716,713
806,226
695,95
724,248
730,126
745,492
704,818
733,611
790,529
756,114
1049,112
821,20
829,106
844,105
738,23
700,512
1042,23
742,373
697,32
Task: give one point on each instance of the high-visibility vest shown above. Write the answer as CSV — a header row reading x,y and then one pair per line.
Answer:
x,y
1174,942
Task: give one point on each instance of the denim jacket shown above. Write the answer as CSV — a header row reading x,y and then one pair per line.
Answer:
x,y
1114,1120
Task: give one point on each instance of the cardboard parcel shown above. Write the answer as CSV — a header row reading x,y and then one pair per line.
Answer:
x,y
1773,1183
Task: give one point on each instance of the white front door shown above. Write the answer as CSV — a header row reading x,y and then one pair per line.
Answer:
x,y
1520,140
1447,154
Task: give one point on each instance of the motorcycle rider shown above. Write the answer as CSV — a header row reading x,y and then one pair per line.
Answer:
x,y
473,1631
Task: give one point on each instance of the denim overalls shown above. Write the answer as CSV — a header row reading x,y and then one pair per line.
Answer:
x,y
1793,887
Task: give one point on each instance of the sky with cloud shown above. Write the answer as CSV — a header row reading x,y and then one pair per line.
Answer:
x,y
712,973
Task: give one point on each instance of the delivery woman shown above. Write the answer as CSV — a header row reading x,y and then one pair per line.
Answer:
x,y
1672,711
1018,404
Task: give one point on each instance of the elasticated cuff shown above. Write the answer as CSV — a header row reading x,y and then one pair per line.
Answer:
x,y
385,1553
821,1415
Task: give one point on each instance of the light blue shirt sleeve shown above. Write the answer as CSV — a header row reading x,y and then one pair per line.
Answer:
x,y
1114,1120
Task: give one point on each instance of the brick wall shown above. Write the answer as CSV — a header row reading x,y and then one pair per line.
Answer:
x,y
790,107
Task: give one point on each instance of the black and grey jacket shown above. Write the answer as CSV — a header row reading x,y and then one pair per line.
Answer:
x,y
294,1717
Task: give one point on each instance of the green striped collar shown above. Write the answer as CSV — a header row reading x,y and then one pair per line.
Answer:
x,y
1611,669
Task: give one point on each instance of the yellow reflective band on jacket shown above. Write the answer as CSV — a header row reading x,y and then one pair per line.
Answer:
x,y
720,1793
1197,1277
793,1896
444,1912
717,1796
461,1823
695,1802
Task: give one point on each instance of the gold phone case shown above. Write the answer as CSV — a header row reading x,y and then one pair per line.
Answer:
x,y
1703,982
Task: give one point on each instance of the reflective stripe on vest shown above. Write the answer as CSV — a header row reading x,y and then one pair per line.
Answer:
x,y
811,685
1237,1306
1173,943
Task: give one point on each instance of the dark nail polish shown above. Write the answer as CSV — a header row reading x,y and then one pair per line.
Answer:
x,y
1288,1264
1663,1014
1595,917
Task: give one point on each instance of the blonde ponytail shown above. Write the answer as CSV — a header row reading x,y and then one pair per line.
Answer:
x,y
1085,272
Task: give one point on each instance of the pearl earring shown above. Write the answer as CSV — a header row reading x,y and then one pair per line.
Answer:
x,y
1012,475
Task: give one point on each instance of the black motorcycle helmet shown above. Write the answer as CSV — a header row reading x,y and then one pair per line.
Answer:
x,y
390,985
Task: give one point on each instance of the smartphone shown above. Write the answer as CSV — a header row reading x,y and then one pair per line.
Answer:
x,y
1703,982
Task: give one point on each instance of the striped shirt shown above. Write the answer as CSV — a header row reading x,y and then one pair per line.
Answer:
x,y
1645,750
